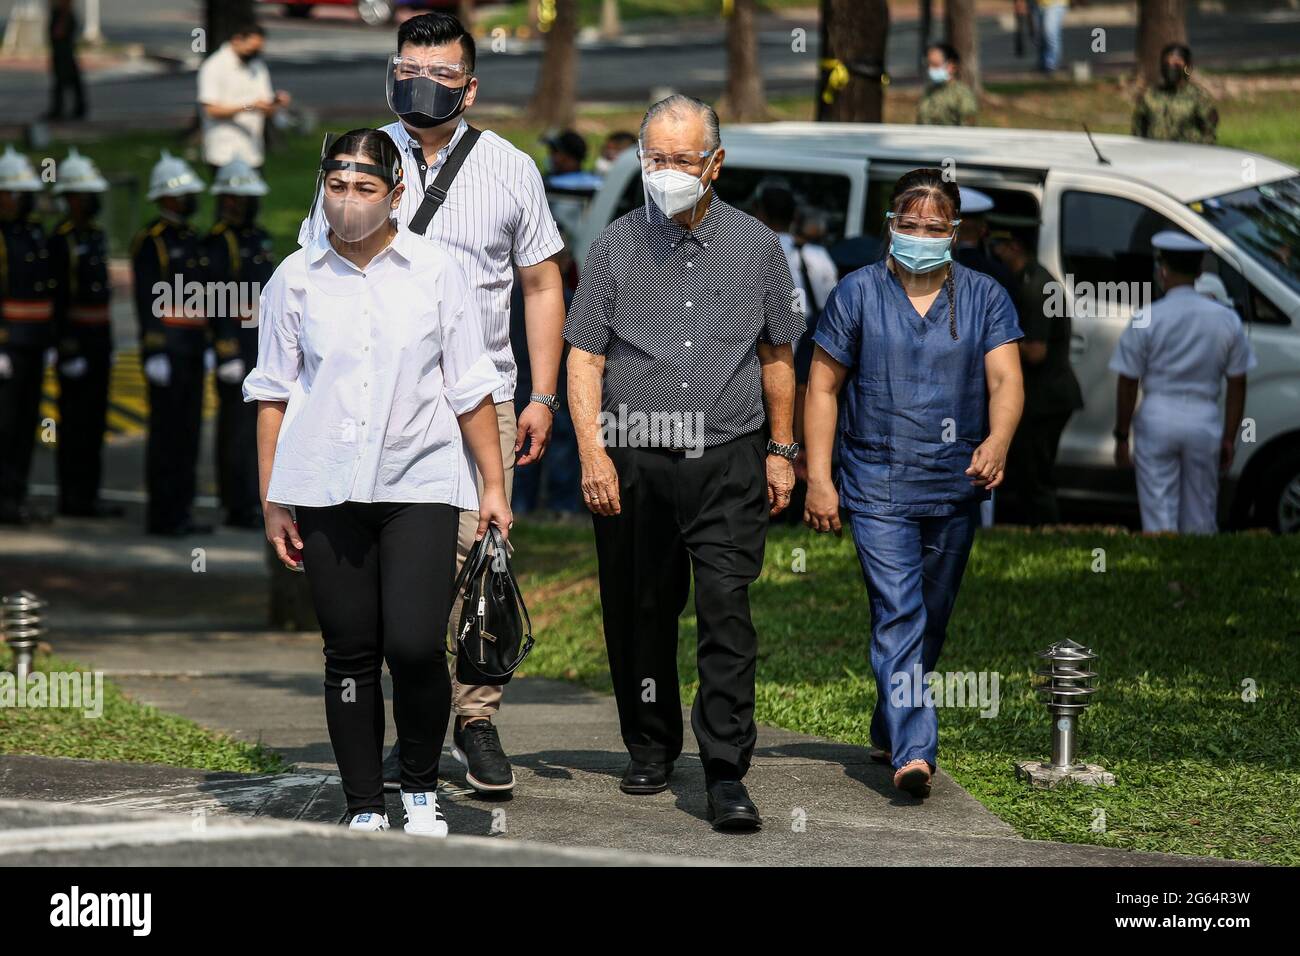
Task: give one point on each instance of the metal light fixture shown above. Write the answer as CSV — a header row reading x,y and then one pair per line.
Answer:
x,y
1066,689
20,626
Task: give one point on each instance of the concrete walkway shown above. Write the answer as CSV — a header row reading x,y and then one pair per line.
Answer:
x,y
189,643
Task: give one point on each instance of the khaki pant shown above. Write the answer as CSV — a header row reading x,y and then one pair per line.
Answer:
x,y
483,700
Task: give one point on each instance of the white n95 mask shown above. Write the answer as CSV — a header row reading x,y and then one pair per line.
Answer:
x,y
674,191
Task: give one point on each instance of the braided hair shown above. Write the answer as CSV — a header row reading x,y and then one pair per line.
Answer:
x,y
929,185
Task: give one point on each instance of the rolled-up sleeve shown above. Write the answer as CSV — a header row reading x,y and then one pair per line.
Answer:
x,y
279,353
839,328
782,321
468,373
587,326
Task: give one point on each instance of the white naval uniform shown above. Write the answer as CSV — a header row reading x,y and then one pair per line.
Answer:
x,y
1181,357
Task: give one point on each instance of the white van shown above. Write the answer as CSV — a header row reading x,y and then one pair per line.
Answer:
x,y
1099,202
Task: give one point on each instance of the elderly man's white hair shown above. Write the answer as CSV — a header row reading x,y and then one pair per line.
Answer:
x,y
680,106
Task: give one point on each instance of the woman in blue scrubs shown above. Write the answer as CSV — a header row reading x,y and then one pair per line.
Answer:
x,y
925,352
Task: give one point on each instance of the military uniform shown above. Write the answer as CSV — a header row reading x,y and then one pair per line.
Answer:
x,y
947,104
1183,114
163,252
79,263
240,254
1052,395
26,331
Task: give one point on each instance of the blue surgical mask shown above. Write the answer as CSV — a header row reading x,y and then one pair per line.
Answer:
x,y
920,254
938,74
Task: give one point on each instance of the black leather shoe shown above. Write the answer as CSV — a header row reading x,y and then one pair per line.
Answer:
x,y
730,807
477,747
182,530
393,768
642,777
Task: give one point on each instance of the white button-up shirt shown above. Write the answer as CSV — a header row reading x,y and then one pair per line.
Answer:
x,y
1184,346
226,80
375,365
495,218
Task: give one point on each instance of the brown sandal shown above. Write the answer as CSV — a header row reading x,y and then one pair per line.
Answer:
x,y
914,778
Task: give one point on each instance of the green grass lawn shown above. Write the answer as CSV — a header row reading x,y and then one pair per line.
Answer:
x,y
125,731
1179,624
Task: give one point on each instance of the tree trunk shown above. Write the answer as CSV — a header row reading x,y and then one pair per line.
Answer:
x,y
963,34
610,26
552,103
533,17
1160,22
854,33
221,18
744,100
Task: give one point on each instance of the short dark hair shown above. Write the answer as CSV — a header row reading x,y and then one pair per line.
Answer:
x,y
374,144
949,52
1183,263
1182,49
247,28
437,29
568,143
777,204
622,136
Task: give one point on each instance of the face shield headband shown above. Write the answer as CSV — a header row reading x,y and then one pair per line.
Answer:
x,y
422,101
353,218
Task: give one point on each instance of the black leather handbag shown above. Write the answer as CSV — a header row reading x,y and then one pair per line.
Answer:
x,y
494,633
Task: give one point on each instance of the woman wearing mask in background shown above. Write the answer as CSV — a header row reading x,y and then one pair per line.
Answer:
x,y
932,400
372,377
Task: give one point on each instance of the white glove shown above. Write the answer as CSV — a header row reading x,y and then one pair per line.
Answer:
x,y
231,372
6,366
74,367
209,360
158,370
51,356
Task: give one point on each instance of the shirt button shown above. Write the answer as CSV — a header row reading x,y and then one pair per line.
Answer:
x,y
689,264
686,384
365,384
690,305
687,343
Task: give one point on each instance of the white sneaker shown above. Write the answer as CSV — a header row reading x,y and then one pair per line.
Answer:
x,y
422,815
372,822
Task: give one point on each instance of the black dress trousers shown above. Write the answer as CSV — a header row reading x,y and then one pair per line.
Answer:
x,y
708,514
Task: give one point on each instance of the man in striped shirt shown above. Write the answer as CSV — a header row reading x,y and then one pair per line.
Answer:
x,y
495,218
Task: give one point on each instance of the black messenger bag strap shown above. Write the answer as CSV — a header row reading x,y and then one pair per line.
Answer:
x,y
435,194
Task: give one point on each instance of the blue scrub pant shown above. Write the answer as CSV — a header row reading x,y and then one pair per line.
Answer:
x,y
913,568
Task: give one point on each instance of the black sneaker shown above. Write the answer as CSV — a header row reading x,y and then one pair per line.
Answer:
x,y
477,746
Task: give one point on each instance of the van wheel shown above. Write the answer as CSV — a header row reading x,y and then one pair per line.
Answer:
x,y
375,13
1278,503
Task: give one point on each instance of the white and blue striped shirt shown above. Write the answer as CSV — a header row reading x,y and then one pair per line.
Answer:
x,y
495,218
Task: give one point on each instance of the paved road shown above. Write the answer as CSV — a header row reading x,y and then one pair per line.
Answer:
x,y
335,66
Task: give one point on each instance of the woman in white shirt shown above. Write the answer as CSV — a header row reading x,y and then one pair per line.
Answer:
x,y
374,394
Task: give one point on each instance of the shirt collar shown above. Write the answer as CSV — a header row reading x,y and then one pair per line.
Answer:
x,y
401,246
408,141
676,234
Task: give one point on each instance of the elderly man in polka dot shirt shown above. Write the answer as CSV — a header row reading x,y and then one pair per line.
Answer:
x,y
681,386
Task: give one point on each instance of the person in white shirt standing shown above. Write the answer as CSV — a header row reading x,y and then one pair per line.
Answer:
x,y
374,392
235,98
1179,352
493,219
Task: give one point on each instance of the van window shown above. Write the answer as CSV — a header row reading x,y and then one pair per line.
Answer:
x,y
1265,222
1251,304
1107,238
822,198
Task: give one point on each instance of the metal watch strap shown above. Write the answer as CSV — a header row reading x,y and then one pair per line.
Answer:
x,y
550,401
789,452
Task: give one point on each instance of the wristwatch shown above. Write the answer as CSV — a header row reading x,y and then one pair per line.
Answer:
x,y
550,401
1119,435
789,452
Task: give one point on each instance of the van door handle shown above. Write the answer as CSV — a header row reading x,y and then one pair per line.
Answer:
x,y
1078,345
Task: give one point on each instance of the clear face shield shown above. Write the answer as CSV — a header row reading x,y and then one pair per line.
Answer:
x,y
355,196
676,182
426,93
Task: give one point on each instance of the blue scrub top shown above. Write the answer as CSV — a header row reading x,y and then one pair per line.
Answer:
x,y
915,403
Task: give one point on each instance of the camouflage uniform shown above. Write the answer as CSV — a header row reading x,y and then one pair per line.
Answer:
x,y
1181,114
947,104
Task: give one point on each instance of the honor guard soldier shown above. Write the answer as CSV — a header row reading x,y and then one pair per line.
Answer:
x,y
79,264
239,253
971,247
166,255
26,329
1180,351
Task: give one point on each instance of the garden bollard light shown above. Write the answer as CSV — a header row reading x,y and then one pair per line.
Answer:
x,y
1066,690
20,626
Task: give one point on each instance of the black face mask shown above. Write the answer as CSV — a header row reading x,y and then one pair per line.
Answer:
x,y
89,205
1172,74
444,104
187,204
26,203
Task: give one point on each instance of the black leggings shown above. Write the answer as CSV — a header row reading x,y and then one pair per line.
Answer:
x,y
381,578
